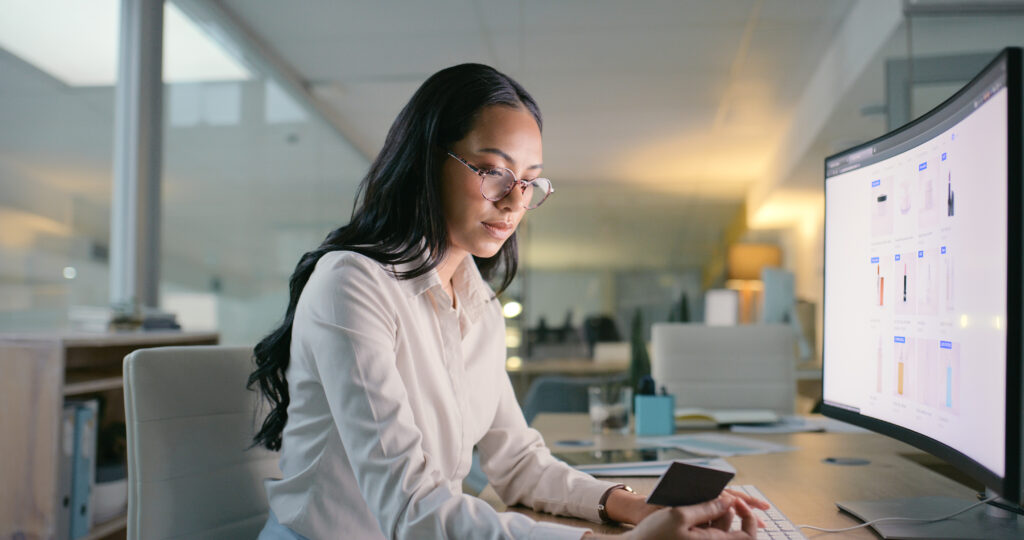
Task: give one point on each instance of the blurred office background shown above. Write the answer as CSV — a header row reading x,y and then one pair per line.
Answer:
x,y
685,139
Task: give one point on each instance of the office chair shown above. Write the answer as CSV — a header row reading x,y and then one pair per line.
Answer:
x,y
554,393
599,328
190,421
726,367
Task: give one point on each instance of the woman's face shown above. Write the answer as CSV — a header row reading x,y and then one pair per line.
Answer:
x,y
502,136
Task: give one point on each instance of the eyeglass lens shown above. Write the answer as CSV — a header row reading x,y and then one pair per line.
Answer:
x,y
498,182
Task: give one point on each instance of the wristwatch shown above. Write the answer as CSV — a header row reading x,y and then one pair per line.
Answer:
x,y
602,512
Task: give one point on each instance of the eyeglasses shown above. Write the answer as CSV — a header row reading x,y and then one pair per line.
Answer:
x,y
497,183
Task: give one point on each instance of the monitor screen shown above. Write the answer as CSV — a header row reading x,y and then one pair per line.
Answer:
x,y
917,290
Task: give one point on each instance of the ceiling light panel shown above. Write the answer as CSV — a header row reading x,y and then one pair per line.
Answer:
x,y
76,42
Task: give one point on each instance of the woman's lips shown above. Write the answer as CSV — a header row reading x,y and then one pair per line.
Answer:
x,y
499,229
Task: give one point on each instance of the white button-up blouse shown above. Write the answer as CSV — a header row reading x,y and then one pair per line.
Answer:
x,y
390,390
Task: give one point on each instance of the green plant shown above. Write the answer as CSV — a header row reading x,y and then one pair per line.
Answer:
x,y
640,362
680,312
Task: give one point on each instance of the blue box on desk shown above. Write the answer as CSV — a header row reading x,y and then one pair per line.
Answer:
x,y
655,415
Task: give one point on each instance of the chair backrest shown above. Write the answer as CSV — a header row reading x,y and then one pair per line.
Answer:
x,y
190,421
726,367
554,393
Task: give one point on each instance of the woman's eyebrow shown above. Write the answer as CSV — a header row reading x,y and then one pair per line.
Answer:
x,y
507,157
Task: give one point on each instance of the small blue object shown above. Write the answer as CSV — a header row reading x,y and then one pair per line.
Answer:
x,y
655,415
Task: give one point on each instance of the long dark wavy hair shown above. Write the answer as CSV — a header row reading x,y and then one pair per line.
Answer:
x,y
397,216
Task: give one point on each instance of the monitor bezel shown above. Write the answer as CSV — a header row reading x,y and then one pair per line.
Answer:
x,y
1009,485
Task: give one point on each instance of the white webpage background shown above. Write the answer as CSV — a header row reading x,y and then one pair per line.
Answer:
x,y
976,239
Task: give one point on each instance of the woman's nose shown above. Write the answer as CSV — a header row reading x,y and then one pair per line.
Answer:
x,y
514,199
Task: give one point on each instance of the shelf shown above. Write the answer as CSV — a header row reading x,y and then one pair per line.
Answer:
x,y
39,371
106,528
85,381
136,339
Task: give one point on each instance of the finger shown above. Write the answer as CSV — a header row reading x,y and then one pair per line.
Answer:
x,y
730,496
702,513
751,501
724,522
748,521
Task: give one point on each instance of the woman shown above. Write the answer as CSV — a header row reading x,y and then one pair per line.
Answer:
x,y
389,366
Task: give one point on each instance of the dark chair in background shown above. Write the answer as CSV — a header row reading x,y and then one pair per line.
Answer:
x,y
599,328
555,393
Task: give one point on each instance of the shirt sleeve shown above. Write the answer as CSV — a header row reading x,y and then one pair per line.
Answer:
x,y
350,330
522,470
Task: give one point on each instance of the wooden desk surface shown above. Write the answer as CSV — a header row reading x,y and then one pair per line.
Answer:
x,y
799,483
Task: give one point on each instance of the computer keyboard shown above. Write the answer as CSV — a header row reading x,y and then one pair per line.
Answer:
x,y
776,525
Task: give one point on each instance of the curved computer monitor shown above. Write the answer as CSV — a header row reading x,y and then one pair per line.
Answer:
x,y
923,275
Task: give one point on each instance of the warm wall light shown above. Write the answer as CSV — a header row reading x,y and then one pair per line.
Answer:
x,y
745,261
513,362
744,284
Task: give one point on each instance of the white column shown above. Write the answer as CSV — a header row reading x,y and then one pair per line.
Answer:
x,y
138,115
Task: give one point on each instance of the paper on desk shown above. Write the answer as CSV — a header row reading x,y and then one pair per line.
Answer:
x,y
650,468
801,424
714,444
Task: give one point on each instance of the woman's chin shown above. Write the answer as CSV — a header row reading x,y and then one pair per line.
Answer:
x,y
488,249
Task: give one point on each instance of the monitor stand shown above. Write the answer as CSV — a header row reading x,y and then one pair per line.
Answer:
x,y
983,522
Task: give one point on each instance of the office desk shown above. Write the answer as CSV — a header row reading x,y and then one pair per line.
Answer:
x,y
798,482
807,375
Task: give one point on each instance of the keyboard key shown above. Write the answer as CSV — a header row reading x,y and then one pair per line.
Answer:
x,y
777,525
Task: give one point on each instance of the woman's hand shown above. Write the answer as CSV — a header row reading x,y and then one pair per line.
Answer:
x,y
626,507
710,520
751,501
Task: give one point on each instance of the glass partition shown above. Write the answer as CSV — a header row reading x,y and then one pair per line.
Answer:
x,y
252,180
57,73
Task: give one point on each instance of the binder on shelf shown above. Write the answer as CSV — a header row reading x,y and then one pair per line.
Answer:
x,y
65,463
84,468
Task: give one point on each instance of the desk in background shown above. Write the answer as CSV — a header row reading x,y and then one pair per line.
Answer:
x,y
808,376
798,482
525,372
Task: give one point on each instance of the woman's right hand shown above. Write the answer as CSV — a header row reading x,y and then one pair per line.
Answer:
x,y
710,520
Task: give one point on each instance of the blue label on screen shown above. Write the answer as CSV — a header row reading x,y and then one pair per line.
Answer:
x,y
901,339
943,156
922,166
876,183
920,254
943,250
946,344
897,256
874,259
